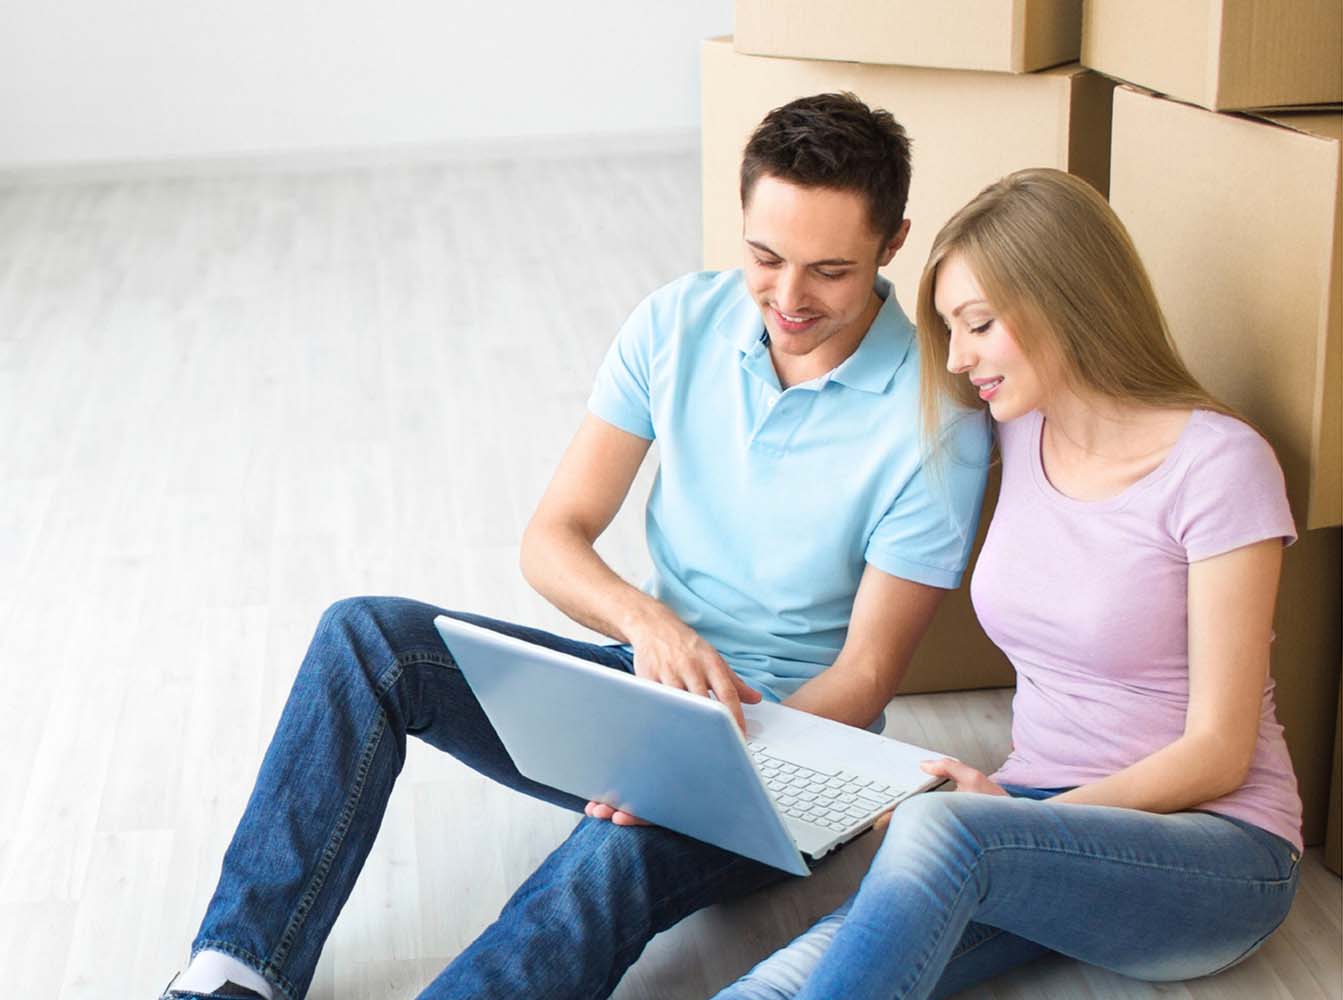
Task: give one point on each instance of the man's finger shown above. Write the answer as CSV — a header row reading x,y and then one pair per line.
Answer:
x,y
745,692
620,818
726,692
696,685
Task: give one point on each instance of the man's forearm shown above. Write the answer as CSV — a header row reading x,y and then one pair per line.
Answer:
x,y
890,616
563,567
854,696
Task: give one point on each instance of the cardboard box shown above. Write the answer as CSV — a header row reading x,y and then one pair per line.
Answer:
x,y
1333,841
1237,220
968,129
1221,54
1011,36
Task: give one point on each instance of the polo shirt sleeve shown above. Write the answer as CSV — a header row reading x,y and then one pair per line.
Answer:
x,y
620,393
927,533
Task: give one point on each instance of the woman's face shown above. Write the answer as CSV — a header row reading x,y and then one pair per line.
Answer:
x,y
982,347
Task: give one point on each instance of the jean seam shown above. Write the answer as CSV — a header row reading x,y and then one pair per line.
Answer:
x,y
265,970
382,685
388,680
334,842
997,933
1095,856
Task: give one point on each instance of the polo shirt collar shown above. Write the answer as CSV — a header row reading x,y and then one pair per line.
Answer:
x,y
870,368
882,351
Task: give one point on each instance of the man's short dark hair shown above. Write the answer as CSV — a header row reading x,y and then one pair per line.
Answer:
x,y
834,141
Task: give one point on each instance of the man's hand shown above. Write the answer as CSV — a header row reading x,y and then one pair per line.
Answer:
x,y
600,810
670,652
966,777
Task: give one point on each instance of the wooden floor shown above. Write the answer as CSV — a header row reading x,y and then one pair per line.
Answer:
x,y
225,403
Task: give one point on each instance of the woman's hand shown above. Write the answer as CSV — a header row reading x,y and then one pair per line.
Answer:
x,y
966,777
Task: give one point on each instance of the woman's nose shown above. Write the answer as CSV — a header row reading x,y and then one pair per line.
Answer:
x,y
958,358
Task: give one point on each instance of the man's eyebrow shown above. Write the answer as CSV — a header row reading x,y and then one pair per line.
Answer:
x,y
829,262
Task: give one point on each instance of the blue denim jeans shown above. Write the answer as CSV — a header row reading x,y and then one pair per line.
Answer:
x,y
375,672
967,886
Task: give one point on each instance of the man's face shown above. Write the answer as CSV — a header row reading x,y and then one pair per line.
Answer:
x,y
811,258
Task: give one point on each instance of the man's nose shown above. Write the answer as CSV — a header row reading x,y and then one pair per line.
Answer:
x,y
791,290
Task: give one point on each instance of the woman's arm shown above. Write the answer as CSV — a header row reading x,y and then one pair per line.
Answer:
x,y
1231,598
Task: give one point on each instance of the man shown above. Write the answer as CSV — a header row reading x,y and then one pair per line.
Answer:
x,y
800,548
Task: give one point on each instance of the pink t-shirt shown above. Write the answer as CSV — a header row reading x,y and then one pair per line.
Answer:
x,y
1089,602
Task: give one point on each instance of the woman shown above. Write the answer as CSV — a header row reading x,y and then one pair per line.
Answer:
x,y
1147,819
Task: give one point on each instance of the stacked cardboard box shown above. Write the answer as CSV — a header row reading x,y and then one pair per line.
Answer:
x,y
1221,54
951,78
1014,37
1333,847
1236,215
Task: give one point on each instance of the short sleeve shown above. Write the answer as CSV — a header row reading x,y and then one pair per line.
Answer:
x,y
620,393
1232,495
926,534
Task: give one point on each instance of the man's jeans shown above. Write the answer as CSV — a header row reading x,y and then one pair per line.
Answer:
x,y
376,671
966,886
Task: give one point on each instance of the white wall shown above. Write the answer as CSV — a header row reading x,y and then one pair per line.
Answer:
x,y
125,80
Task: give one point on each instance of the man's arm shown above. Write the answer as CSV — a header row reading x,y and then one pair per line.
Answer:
x,y
890,616
559,561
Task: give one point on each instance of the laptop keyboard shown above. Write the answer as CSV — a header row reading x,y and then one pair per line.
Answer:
x,y
835,800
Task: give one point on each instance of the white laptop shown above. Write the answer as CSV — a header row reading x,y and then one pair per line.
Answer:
x,y
795,788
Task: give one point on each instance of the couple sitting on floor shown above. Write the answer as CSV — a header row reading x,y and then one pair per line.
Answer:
x,y
822,464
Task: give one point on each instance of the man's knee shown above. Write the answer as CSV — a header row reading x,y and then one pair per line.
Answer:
x,y
352,615
376,624
364,636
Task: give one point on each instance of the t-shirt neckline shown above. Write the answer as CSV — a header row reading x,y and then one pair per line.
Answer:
x,y
1057,496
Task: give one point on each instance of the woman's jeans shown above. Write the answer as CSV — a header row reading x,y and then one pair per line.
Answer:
x,y
966,886
376,671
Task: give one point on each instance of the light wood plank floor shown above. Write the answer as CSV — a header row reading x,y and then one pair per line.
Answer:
x,y
225,403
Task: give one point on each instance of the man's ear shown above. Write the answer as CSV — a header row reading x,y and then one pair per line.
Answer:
x,y
894,244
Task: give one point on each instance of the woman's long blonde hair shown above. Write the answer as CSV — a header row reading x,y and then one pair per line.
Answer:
x,y
1058,266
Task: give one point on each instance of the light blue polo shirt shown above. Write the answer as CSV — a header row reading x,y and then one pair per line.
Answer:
x,y
768,503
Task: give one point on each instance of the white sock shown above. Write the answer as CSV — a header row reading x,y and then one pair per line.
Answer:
x,y
210,970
